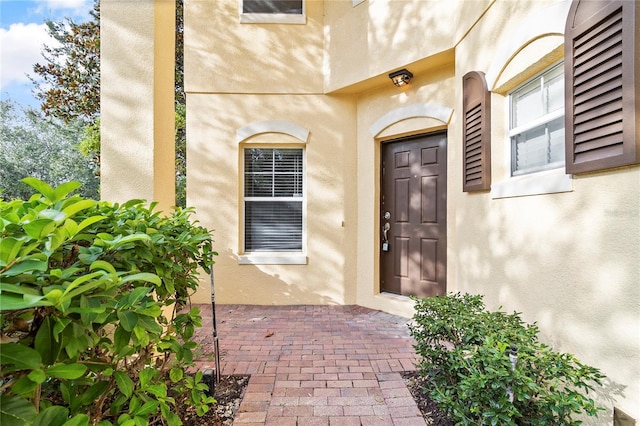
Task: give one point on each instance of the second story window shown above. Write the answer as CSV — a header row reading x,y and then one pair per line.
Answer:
x,y
272,11
537,123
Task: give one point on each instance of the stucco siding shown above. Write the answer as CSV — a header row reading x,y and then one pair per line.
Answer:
x,y
215,189
223,55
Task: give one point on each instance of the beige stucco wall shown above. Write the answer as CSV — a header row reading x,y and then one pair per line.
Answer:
x,y
214,188
366,42
137,120
224,56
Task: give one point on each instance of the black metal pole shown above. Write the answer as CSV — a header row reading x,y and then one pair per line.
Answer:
x,y
216,344
212,378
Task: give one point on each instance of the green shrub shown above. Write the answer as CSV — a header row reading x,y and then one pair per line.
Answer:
x,y
465,355
93,298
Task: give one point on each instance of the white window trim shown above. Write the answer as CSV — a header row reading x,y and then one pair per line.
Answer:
x,y
273,18
354,3
275,258
545,182
550,181
265,259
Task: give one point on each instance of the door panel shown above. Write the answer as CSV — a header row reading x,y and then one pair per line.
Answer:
x,y
413,192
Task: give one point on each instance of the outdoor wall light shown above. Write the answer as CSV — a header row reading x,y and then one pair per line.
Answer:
x,y
401,77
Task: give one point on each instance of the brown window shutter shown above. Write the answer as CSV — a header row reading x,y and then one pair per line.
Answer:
x,y
477,132
601,86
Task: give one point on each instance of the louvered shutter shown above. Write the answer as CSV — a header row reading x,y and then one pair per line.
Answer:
x,y
601,95
477,133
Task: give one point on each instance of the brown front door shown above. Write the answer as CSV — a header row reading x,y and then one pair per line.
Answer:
x,y
413,216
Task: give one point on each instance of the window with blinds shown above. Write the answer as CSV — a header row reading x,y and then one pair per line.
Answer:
x,y
293,7
273,199
537,123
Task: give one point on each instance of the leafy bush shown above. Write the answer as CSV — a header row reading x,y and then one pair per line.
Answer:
x,y
93,297
467,355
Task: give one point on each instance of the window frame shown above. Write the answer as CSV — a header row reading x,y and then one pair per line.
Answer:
x,y
272,18
296,257
556,71
547,180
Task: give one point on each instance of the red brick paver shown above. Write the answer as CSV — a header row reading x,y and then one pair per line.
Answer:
x,y
315,365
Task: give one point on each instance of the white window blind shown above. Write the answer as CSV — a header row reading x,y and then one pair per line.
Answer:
x,y
537,123
273,199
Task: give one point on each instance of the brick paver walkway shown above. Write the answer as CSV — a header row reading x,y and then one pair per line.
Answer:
x,y
316,365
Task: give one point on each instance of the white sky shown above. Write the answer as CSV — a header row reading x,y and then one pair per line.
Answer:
x,y
22,35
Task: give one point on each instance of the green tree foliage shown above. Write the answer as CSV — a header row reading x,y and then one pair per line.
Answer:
x,y
31,145
69,88
95,322
181,110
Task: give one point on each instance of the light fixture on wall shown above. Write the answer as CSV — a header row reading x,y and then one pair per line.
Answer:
x,y
401,77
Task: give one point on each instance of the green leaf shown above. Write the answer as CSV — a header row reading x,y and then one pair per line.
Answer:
x,y
40,186
16,411
176,374
143,276
65,189
120,241
128,319
124,382
173,419
51,214
102,265
70,228
45,343
24,387
94,392
149,324
79,206
56,238
39,228
9,249
82,279
37,376
147,408
78,420
52,416
121,338
12,302
36,263
19,356
137,295
90,221
146,376
158,390
67,371
18,289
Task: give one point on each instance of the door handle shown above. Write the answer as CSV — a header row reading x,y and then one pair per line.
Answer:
x,y
385,239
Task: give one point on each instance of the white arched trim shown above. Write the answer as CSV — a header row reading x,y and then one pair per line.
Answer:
x,y
428,110
550,21
272,126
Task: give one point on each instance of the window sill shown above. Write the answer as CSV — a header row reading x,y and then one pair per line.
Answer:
x,y
277,259
549,182
272,18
